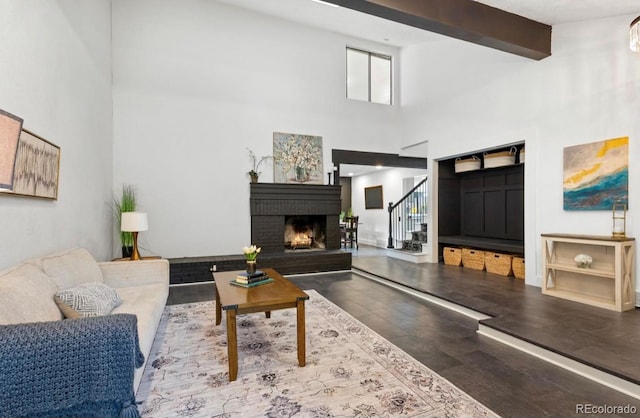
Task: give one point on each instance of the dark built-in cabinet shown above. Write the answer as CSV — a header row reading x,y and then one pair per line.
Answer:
x,y
482,208
492,203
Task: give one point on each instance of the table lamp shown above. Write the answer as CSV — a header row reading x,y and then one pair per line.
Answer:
x,y
134,222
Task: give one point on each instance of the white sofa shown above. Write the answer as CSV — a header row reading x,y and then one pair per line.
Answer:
x,y
27,290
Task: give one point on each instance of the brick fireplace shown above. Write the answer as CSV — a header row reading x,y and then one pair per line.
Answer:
x,y
310,209
274,206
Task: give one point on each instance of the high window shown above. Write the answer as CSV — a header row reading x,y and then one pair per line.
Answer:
x,y
368,76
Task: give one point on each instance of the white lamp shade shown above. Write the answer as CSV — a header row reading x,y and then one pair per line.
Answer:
x,y
134,222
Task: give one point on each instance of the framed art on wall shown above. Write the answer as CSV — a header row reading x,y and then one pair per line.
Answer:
x,y
10,126
37,167
297,158
596,175
373,197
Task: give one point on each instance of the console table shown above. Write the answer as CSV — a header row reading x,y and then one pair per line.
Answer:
x,y
608,283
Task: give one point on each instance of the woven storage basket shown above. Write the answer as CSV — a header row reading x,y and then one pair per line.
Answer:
x,y
468,164
500,159
517,264
498,263
473,259
452,256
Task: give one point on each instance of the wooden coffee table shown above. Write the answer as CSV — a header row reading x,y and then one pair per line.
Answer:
x,y
234,300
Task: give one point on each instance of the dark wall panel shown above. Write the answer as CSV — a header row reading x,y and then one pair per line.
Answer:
x,y
515,214
515,178
493,203
494,213
493,180
449,206
472,213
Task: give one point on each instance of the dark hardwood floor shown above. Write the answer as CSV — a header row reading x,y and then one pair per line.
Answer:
x,y
511,383
604,339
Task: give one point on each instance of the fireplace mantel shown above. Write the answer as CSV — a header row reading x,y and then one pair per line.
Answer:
x,y
271,202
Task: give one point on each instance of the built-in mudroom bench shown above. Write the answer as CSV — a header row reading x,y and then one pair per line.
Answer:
x,y
489,244
481,202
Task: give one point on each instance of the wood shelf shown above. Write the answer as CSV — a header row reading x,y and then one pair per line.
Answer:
x,y
591,300
588,271
609,283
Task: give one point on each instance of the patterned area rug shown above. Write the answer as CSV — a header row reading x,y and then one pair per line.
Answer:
x,y
351,371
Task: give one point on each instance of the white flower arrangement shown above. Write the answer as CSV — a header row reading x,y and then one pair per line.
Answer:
x,y
583,261
297,151
251,252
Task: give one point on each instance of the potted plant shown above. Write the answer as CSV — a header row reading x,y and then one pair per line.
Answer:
x,y
251,254
127,203
254,173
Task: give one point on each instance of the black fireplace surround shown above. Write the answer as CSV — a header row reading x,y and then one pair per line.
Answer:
x,y
271,203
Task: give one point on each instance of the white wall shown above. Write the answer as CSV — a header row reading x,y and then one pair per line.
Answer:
x,y
55,63
588,90
195,82
373,228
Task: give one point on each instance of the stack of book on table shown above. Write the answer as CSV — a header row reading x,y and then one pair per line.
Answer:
x,y
246,279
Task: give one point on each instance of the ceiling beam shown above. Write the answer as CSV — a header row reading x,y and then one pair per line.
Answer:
x,y
466,20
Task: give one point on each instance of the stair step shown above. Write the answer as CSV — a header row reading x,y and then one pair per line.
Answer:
x,y
411,245
410,256
420,236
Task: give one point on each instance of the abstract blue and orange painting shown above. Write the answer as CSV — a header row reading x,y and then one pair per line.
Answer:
x,y
596,175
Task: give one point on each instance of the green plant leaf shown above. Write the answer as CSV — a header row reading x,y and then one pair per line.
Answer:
x,y
127,203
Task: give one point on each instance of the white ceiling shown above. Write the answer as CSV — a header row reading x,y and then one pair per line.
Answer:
x,y
361,25
553,12
353,170
339,20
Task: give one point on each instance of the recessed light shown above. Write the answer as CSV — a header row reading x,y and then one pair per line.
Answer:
x,y
350,174
325,3
378,167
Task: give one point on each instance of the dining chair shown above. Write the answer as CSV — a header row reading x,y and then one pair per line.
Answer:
x,y
350,231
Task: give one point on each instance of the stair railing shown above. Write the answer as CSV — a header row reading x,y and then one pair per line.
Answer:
x,y
407,214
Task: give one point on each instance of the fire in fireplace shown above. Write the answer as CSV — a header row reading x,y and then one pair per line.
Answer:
x,y
305,232
301,240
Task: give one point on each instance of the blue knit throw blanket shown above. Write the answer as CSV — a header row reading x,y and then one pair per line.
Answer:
x,y
72,368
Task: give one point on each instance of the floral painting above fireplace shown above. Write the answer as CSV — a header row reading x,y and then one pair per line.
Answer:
x,y
596,174
297,158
